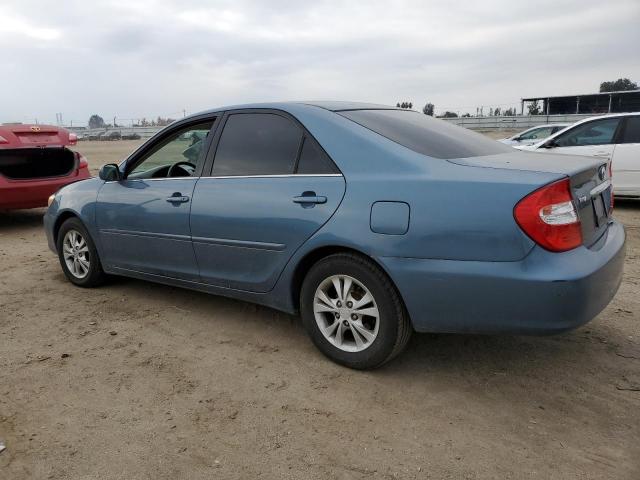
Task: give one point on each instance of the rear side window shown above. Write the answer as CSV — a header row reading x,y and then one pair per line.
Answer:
x,y
631,131
313,160
257,144
425,134
538,133
597,132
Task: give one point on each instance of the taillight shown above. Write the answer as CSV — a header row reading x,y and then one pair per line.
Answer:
x,y
73,139
83,163
3,140
549,217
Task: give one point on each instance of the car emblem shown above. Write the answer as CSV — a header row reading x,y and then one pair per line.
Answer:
x,y
35,129
602,172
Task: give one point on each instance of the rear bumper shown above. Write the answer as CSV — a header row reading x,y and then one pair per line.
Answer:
x,y
15,194
542,294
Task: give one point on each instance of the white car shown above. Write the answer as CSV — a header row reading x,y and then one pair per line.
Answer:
x,y
534,134
613,137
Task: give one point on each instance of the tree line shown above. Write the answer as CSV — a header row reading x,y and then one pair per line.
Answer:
x,y
96,121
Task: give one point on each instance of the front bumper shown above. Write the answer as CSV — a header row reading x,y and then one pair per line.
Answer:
x,y
544,293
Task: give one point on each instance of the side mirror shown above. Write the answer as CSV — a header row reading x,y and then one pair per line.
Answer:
x,y
549,144
109,172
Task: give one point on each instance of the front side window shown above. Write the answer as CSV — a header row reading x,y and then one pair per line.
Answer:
x,y
631,130
257,144
597,132
537,134
177,156
425,134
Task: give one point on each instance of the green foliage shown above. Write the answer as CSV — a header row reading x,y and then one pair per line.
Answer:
x,y
619,85
96,121
428,109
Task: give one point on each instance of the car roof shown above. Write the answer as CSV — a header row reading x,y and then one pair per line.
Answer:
x,y
333,106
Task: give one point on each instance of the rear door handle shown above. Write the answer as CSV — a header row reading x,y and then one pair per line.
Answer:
x,y
308,199
602,154
177,198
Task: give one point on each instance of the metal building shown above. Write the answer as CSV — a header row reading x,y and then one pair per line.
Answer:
x,y
591,103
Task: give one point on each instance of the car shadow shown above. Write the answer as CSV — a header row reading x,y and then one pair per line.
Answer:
x,y
468,355
20,219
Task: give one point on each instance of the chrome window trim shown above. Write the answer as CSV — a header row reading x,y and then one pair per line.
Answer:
x,y
280,176
229,176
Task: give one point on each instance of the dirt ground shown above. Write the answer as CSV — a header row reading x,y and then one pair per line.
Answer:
x,y
136,381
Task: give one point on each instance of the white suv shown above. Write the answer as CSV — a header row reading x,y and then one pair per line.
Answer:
x,y
613,137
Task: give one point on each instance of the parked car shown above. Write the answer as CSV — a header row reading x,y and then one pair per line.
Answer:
x,y
35,162
370,221
534,134
614,138
130,136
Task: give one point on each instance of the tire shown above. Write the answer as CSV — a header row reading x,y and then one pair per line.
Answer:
x,y
84,269
356,341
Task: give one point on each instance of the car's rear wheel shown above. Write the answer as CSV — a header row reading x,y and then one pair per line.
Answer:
x,y
353,312
78,255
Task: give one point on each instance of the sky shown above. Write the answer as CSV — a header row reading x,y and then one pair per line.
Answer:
x,y
146,58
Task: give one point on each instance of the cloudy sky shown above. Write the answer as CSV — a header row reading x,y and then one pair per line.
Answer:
x,y
135,58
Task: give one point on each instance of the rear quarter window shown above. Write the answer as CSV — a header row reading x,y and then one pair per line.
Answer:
x,y
426,135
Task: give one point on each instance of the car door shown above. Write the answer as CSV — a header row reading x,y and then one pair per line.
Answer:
x,y
271,187
143,219
594,138
626,159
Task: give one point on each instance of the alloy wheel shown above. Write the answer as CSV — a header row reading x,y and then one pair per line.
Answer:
x,y
346,313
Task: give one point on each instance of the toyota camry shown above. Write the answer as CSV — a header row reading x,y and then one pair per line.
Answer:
x,y
368,221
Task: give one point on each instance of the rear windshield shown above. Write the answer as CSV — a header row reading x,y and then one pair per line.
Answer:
x,y
425,134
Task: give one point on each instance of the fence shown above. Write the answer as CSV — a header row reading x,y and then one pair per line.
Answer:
x,y
513,123
103,133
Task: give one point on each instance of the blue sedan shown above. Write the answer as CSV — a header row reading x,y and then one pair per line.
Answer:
x,y
368,221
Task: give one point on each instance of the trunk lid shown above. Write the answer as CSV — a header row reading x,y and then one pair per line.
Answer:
x,y
589,178
22,136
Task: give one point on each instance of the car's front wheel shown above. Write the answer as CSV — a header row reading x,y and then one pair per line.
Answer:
x,y
78,255
352,311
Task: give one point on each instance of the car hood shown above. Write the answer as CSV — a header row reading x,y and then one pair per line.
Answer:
x,y
532,161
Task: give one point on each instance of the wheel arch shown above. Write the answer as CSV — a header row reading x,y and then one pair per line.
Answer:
x,y
314,256
63,217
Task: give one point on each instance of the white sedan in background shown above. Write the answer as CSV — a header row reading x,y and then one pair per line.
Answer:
x,y
613,137
534,134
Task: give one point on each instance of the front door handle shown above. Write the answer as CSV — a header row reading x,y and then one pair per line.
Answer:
x,y
178,198
309,198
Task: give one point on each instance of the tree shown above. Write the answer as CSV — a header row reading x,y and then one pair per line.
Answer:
x,y
96,121
406,105
534,108
497,112
619,85
449,115
466,115
428,109
510,112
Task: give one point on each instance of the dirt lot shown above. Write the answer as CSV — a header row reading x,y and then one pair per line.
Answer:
x,y
135,380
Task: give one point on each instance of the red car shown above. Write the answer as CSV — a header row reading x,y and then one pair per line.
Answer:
x,y
35,162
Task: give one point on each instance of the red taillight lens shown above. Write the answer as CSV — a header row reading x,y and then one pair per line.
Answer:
x,y
549,217
73,139
83,163
3,140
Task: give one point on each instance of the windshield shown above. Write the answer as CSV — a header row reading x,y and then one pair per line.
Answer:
x,y
426,135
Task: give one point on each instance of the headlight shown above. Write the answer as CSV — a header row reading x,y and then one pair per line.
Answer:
x,y
51,199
